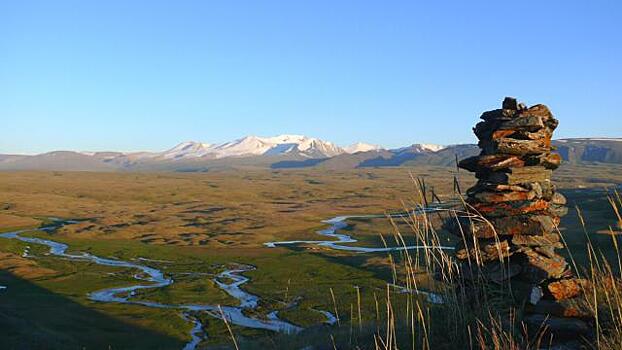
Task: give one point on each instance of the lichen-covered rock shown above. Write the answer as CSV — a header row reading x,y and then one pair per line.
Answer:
x,y
511,208
514,212
491,163
567,288
549,161
525,225
539,267
498,196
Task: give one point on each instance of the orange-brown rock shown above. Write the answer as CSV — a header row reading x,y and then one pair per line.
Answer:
x,y
491,163
498,197
549,161
524,225
539,267
567,288
542,134
539,110
501,134
510,208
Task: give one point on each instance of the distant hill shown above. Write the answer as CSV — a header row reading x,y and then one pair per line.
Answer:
x,y
573,151
289,151
590,150
58,160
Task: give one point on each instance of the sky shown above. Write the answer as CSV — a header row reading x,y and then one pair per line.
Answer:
x,y
146,75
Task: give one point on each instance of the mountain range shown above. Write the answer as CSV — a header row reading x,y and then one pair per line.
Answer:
x,y
288,151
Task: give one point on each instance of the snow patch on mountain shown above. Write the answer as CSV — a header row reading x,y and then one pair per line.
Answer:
x,y
186,150
361,147
420,148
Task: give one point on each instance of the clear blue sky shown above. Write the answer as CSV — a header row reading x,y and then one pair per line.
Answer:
x,y
145,75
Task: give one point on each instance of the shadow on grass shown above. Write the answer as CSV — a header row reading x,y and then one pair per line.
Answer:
x,y
32,317
287,164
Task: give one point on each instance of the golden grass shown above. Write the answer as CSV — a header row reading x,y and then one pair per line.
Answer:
x,y
23,267
215,210
492,320
9,222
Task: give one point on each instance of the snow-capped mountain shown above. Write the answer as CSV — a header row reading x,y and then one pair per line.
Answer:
x,y
282,145
252,146
420,148
186,150
278,145
361,147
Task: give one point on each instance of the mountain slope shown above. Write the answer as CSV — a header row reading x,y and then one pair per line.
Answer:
x,y
416,154
184,150
601,150
58,160
435,154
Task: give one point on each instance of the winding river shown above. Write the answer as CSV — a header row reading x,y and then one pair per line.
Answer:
x,y
154,278
230,281
339,223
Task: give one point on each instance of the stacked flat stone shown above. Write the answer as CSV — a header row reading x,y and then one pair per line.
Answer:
x,y
512,233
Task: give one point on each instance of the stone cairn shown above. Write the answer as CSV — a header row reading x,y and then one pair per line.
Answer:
x,y
510,234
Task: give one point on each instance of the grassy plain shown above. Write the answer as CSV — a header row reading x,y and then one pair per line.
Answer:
x,y
193,225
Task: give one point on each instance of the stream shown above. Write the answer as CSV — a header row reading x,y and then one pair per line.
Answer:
x,y
339,223
156,279
152,278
